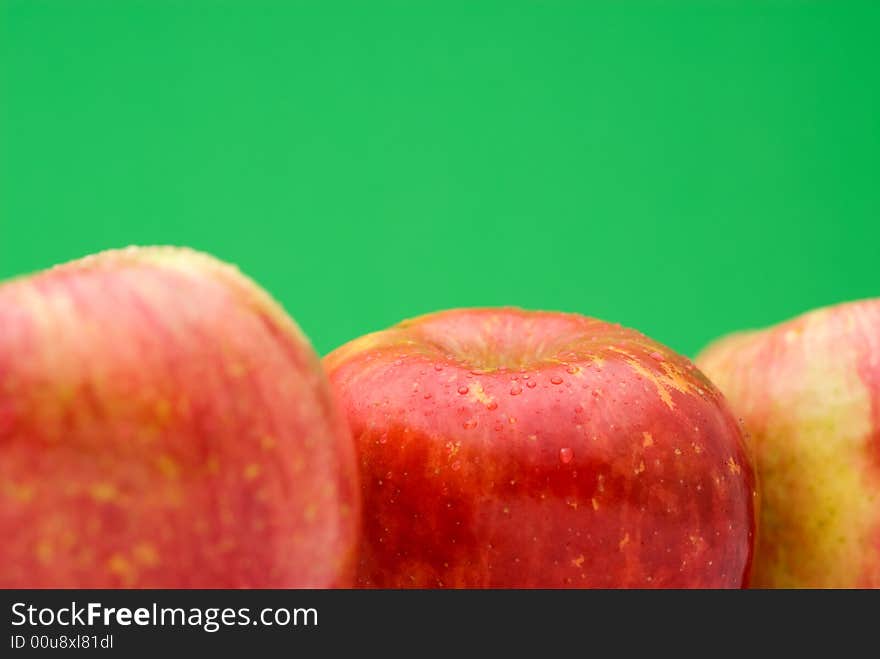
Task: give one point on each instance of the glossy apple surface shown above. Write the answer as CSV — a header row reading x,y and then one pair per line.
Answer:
x,y
163,423
809,392
506,448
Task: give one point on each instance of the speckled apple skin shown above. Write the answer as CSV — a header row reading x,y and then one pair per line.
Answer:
x,y
809,392
164,424
504,448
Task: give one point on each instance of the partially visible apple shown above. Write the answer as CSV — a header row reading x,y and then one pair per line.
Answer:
x,y
164,424
809,391
507,448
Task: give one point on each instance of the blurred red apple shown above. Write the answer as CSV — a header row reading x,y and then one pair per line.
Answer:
x,y
506,448
163,423
809,392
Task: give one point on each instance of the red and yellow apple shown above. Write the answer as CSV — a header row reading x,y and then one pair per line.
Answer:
x,y
163,423
507,448
809,392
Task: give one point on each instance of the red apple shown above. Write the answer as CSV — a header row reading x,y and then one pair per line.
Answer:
x,y
163,423
507,448
809,392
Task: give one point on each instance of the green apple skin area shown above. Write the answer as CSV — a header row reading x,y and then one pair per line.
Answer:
x,y
809,393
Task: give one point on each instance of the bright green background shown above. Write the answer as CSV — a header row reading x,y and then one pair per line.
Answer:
x,y
687,168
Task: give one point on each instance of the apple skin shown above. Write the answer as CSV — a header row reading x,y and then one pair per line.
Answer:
x,y
164,424
503,448
809,393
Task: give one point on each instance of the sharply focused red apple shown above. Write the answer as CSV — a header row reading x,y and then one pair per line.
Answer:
x,y
163,423
506,448
809,392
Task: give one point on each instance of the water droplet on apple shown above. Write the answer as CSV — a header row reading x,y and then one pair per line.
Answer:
x,y
456,465
656,355
383,438
463,390
438,367
556,379
531,384
492,405
470,424
525,376
427,396
565,455
515,390
572,370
